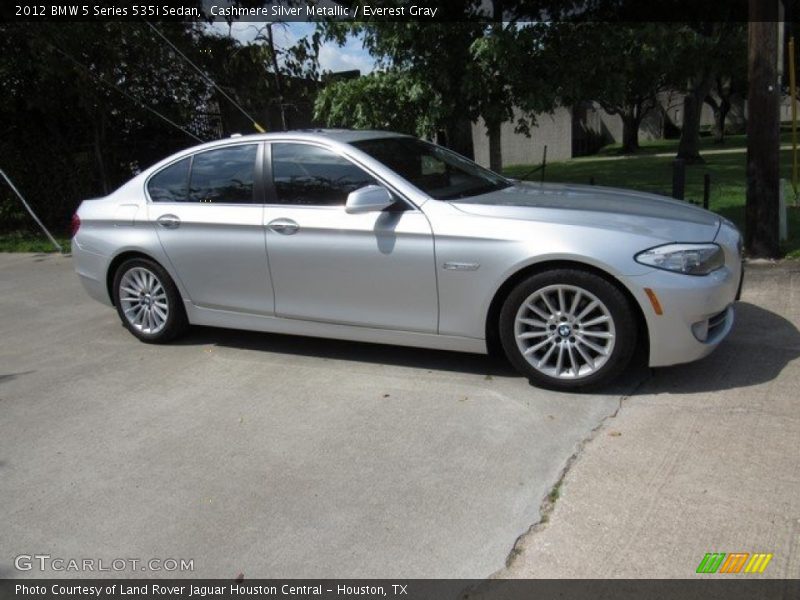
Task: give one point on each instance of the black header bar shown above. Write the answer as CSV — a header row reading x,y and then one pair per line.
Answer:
x,y
379,10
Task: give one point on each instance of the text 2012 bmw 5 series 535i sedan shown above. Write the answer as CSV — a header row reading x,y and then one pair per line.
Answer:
x,y
380,237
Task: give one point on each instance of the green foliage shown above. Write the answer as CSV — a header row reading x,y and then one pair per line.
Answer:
x,y
381,100
705,51
67,133
633,62
471,70
622,67
73,124
509,68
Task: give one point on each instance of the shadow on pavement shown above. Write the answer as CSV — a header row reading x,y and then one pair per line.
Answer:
x,y
13,376
761,344
420,358
759,347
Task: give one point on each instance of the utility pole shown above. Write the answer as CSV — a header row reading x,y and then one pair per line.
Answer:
x,y
763,130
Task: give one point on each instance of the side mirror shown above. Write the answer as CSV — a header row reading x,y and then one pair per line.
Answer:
x,y
371,198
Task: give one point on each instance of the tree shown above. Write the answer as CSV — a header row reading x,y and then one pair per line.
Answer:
x,y
509,78
72,125
282,64
437,54
381,100
723,91
730,79
707,52
473,68
621,67
87,105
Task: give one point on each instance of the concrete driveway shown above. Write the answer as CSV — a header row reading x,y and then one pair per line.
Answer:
x,y
263,454
704,458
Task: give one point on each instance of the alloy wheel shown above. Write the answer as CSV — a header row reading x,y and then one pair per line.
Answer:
x,y
564,331
144,300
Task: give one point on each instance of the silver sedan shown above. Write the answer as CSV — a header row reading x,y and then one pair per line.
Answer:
x,y
379,237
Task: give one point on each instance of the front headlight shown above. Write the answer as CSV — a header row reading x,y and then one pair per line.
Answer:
x,y
691,259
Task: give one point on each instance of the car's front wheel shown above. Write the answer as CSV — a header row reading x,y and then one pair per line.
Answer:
x,y
148,301
568,329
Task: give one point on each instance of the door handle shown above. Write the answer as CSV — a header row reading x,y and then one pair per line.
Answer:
x,y
169,221
284,226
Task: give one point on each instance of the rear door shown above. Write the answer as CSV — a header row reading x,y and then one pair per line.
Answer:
x,y
208,212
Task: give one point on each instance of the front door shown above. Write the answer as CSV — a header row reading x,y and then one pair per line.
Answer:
x,y
208,213
373,269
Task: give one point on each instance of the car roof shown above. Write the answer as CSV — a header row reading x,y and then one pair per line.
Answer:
x,y
350,135
344,136
339,135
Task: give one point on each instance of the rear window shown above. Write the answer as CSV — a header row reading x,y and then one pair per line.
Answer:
x,y
221,176
171,184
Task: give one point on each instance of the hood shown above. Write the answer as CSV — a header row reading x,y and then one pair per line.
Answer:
x,y
587,205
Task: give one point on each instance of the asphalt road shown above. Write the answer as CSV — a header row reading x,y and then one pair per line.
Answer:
x,y
267,455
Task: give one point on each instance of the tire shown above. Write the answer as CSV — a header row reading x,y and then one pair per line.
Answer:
x,y
147,301
568,329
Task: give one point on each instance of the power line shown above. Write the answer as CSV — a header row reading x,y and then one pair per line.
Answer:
x,y
30,210
206,77
121,91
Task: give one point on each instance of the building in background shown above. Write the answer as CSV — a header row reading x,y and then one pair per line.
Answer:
x,y
584,128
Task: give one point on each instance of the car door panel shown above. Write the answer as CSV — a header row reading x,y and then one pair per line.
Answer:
x,y
373,269
219,254
217,249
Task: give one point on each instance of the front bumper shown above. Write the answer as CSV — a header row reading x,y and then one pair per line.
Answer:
x,y
697,312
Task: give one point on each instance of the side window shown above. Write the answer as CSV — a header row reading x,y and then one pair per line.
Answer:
x,y
305,174
171,184
224,176
431,165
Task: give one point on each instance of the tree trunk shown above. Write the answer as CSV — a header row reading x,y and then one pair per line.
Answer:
x,y
495,146
459,137
719,126
719,119
99,135
689,145
720,115
630,133
763,131
493,125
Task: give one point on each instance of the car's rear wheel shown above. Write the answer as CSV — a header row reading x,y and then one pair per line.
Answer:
x,y
148,301
568,329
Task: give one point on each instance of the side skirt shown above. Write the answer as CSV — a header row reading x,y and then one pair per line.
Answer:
x,y
222,318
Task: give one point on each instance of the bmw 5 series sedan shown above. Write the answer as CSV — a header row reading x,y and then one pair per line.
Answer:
x,y
379,237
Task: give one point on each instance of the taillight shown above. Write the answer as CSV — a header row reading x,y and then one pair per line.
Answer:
x,y
75,225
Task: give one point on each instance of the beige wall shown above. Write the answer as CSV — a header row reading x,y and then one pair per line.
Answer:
x,y
553,130
557,130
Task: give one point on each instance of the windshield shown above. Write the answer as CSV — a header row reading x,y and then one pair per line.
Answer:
x,y
438,172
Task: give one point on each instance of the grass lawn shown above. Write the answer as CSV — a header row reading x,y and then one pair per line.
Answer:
x,y
706,143
20,241
654,174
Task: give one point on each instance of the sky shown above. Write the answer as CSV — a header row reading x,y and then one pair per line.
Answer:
x,y
331,57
